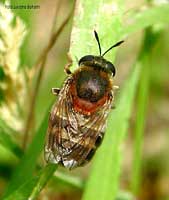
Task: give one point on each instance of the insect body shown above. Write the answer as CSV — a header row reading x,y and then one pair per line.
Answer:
x,y
78,118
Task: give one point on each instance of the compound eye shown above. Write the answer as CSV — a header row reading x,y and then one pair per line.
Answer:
x,y
111,67
87,58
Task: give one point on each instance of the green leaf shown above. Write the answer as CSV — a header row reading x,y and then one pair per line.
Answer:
x,y
108,159
107,162
32,187
123,195
105,18
142,103
28,163
68,179
107,188
4,126
7,142
27,15
143,19
140,123
2,73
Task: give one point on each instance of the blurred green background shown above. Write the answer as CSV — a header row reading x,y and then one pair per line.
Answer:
x,y
154,174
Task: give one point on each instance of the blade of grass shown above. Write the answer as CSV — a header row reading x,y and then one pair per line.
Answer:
x,y
32,187
146,18
103,11
140,123
105,18
27,165
81,53
142,103
101,190
106,165
81,33
123,195
7,142
46,174
42,62
129,92
69,180
6,139
4,126
26,57
110,168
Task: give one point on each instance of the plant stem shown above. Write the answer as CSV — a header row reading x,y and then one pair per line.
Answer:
x,y
142,103
42,59
68,179
45,175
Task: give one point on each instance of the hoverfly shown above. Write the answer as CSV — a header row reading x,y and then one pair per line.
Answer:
x,y
77,120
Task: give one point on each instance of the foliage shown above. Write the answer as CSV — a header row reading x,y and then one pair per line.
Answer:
x,y
30,176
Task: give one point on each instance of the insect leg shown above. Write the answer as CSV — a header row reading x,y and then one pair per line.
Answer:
x,y
115,87
55,91
67,66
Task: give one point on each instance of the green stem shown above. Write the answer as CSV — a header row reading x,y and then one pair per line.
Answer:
x,y
32,187
142,103
42,60
46,174
69,180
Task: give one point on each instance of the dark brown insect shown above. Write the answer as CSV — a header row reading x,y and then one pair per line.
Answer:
x,y
78,118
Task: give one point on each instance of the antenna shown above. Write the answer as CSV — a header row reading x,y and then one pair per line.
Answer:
x,y
97,39
115,45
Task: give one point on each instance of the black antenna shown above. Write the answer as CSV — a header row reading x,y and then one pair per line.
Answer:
x,y
115,45
97,39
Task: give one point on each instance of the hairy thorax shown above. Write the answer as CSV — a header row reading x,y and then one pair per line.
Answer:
x,y
90,90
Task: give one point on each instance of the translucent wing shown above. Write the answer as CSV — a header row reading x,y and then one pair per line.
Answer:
x,y
73,137
59,128
91,134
